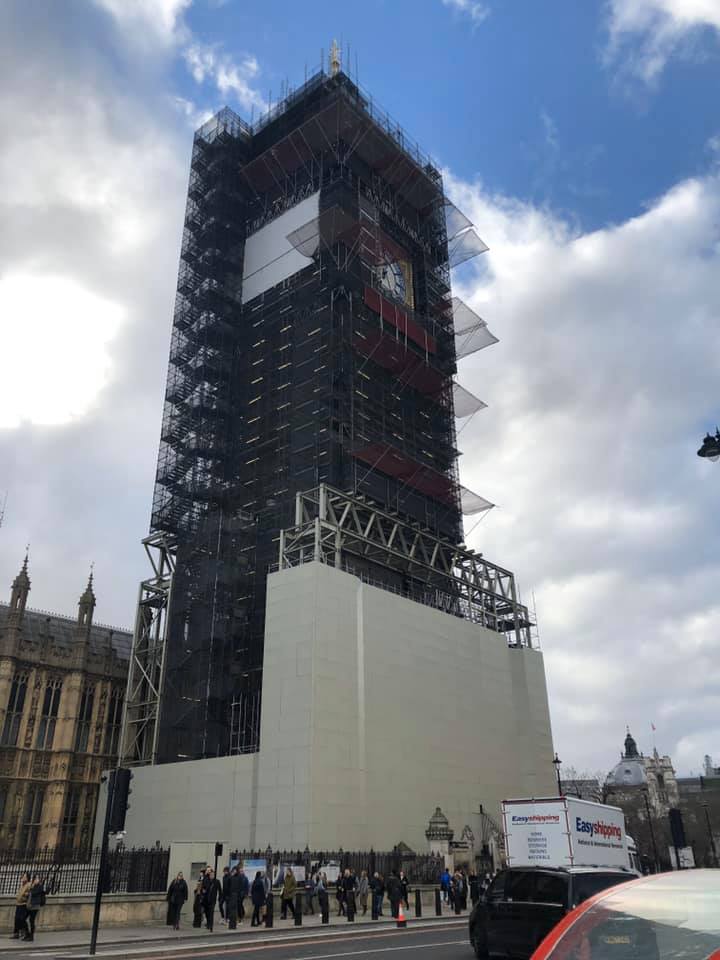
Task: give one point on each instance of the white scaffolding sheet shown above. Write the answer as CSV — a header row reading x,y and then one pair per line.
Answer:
x,y
471,503
471,331
465,403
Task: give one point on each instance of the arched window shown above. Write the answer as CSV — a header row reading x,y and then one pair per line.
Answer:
x,y
16,705
48,718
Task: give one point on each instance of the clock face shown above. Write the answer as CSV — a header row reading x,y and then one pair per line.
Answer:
x,y
392,280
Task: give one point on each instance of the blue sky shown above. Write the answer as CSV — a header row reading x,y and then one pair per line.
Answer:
x,y
527,98
580,136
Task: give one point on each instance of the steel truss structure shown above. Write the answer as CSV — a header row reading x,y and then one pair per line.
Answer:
x,y
147,660
336,528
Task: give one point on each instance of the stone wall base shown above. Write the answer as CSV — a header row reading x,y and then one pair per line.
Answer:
x,y
76,913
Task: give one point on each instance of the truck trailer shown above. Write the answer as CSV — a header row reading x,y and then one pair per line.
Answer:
x,y
564,832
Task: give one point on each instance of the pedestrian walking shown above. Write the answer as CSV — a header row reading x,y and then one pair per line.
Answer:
x,y
394,892
349,883
21,899
322,895
445,884
363,890
287,896
197,902
309,894
210,891
36,900
377,888
176,896
224,897
474,882
405,884
237,891
463,890
257,895
244,893
340,896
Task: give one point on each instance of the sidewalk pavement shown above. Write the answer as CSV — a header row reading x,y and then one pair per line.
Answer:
x,y
73,939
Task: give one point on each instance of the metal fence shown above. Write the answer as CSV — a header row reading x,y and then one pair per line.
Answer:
x,y
65,873
419,868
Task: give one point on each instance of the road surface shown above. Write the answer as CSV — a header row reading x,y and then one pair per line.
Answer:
x,y
420,941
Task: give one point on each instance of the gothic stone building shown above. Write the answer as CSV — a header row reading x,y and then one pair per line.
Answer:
x,y
647,788
62,685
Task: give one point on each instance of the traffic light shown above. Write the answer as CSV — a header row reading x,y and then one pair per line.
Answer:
x,y
118,793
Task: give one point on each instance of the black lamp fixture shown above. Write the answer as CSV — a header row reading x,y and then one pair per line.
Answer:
x,y
710,449
557,762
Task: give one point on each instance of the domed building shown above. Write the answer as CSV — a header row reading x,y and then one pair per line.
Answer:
x,y
637,776
630,772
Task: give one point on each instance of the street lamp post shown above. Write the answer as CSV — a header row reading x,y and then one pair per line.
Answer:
x,y
710,833
652,832
557,763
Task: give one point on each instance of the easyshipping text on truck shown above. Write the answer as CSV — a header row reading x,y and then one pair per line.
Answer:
x,y
564,832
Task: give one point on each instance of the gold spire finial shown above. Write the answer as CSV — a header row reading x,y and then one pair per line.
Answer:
x,y
334,59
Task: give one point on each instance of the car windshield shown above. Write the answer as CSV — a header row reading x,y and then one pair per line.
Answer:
x,y
671,917
588,884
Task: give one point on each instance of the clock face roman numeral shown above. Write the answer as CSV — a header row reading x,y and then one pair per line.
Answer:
x,y
392,279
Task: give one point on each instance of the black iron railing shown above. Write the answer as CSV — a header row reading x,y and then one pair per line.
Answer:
x,y
65,873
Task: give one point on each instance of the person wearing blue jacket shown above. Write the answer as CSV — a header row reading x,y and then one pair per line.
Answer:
x,y
445,883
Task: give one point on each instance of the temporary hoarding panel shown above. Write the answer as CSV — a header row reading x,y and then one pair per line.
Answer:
x,y
270,257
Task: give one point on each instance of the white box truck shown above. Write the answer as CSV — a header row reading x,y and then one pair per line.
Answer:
x,y
564,832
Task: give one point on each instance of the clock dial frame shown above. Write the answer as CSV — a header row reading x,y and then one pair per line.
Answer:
x,y
395,279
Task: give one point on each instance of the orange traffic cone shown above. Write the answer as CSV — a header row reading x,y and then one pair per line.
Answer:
x,y
401,921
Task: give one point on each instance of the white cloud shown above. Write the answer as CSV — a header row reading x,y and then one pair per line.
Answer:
x,y
476,10
645,33
147,21
54,339
207,63
91,208
195,116
603,382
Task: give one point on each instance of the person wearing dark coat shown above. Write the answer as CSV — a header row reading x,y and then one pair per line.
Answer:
x,y
237,891
224,895
405,884
257,895
394,892
377,886
197,903
176,896
36,900
474,882
209,891
349,884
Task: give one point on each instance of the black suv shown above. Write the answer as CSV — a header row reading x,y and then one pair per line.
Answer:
x,y
523,904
